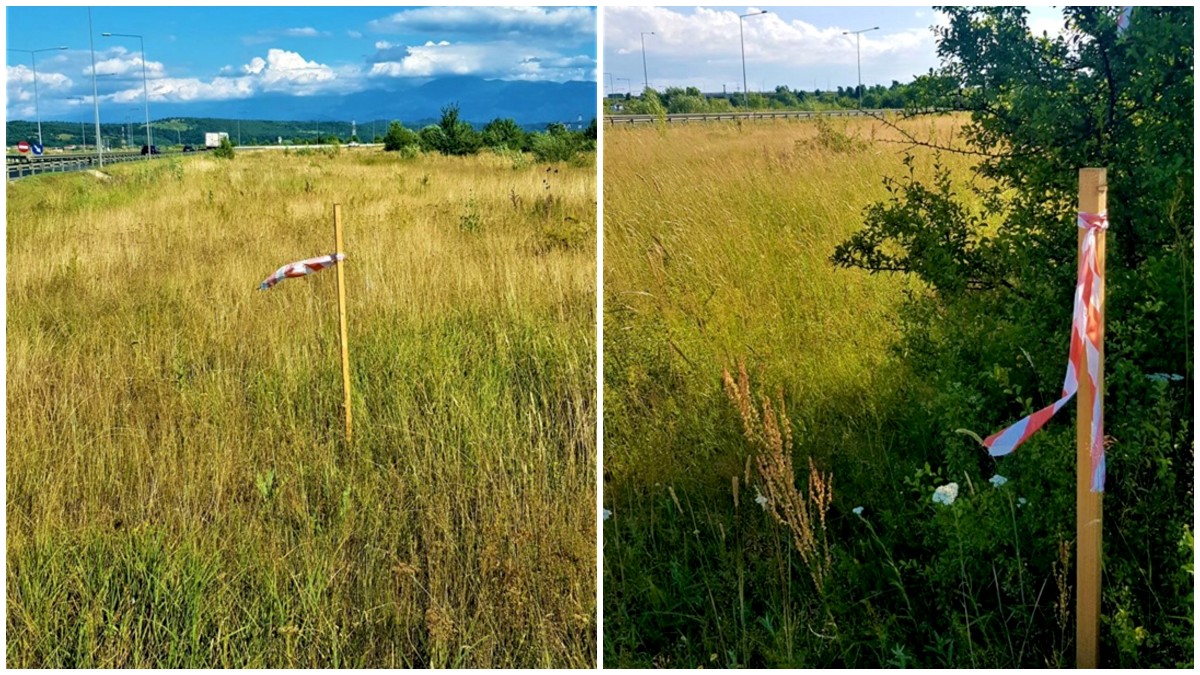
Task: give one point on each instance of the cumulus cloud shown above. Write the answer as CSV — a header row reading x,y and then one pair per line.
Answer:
x,y
504,60
559,22
123,63
19,88
280,71
704,46
714,33
20,75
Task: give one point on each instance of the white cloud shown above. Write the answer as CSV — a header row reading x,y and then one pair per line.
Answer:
x,y
703,47
281,71
431,60
306,31
555,21
354,34
19,75
714,34
124,63
19,89
504,60
287,71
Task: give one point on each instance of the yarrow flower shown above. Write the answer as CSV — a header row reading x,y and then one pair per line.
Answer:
x,y
857,510
1022,502
761,499
997,480
946,494
606,514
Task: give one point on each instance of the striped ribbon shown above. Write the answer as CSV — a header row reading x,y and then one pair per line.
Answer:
x,y
300,269
1084,357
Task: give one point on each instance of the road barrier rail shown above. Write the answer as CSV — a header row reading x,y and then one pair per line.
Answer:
x,y
613,120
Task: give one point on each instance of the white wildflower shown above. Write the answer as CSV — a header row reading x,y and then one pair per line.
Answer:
x,y
606,514
997,480
760,499
946,494
857,510
1022,502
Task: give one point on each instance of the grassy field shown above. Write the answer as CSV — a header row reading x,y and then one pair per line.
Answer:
x,y
178,492
718,240
717,246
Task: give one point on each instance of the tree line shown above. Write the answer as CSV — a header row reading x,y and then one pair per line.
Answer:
x,y
451,135
183,131
681,100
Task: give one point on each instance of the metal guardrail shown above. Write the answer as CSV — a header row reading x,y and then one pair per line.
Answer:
x,y
613,120
23,166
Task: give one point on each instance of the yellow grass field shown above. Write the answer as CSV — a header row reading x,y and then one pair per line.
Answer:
x,y
178,492
717,244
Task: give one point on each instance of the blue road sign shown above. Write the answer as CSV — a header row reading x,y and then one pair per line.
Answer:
x,y
37,148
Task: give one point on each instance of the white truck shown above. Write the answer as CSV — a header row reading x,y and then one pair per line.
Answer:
x,y
212,139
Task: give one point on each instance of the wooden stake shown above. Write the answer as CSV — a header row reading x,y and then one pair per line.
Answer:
x,y
344,338
1093,198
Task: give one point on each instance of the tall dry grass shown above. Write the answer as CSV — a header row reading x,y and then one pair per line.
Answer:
x,y
178,491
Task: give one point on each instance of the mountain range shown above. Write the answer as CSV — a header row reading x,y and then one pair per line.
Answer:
x,y
530,104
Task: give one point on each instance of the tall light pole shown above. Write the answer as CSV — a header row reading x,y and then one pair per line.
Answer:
x,y
644,75
858,48
95,93
611,91
145,88
33,62
742,33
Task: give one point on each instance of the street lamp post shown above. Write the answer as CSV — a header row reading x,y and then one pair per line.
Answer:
x,y
33,62
645,76
742,33
858,49
145,87
95,92
611,91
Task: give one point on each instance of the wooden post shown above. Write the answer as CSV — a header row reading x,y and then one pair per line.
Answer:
x,y
344,338
1093,198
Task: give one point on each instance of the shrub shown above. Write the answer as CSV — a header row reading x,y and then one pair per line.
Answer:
x,y
224,150
990,339
504,133
398,137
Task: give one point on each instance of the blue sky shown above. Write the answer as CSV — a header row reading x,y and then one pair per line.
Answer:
x,y
233,54
802,47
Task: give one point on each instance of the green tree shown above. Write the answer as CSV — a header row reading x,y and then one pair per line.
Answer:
x,y
988,342
399,137
504,133
458,136
431,138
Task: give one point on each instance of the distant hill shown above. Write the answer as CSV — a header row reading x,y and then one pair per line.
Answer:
x,y
531,104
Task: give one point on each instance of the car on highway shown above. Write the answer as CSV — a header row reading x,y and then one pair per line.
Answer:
x,y
150,150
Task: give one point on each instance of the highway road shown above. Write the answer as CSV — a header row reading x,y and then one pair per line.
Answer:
x,y
23,165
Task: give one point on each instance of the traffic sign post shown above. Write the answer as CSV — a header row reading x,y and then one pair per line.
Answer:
x,y
37,149
23,146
